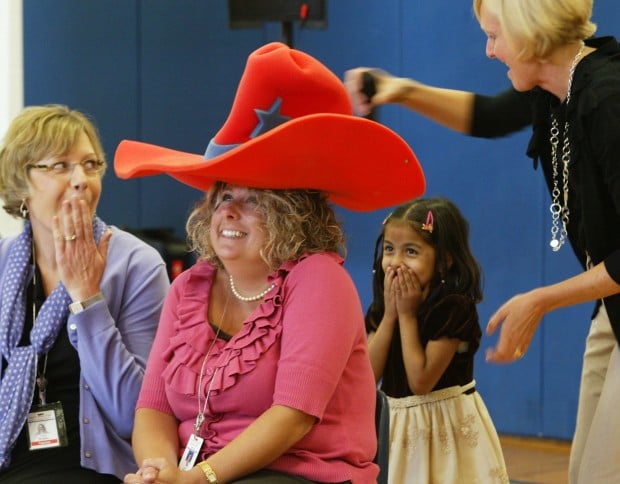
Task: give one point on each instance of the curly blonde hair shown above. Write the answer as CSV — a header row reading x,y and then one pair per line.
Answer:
x,y
535,28
295,222
39,132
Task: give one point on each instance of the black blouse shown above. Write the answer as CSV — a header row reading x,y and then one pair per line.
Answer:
x,y
59,465
594,173
452,316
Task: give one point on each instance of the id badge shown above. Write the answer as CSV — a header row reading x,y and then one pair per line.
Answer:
x,y
46,427
191,453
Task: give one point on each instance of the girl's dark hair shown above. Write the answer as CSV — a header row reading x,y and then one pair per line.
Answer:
x,y
457,271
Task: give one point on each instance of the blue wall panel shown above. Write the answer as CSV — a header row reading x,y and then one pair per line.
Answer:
x,y
165,72
84,54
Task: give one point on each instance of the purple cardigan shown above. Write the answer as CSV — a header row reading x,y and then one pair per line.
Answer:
x,y
113,339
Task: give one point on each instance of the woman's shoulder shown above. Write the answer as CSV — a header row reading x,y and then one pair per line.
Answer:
x,y
132,247
599,77
315,272
320,263
603,63
606,45
330,259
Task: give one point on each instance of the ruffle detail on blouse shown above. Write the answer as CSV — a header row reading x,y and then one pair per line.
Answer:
x,y
194,336
540,126
258,334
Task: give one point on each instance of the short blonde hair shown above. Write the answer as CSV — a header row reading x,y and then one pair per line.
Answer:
x,y
39,132
536,28
296,222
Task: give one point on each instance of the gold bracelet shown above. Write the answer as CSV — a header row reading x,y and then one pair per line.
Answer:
x,y
208,471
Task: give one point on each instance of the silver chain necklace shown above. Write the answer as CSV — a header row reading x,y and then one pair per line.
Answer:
x,y
200,417
559,212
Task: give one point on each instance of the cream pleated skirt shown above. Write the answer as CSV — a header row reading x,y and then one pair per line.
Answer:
x,y
444,437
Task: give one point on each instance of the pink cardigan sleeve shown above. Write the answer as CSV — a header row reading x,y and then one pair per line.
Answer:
x,y
322,328
153,394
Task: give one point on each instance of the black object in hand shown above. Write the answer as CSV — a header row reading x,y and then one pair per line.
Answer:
x,y
369,87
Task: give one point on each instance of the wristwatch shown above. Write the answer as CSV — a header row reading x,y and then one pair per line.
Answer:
x,y
79,306
208,472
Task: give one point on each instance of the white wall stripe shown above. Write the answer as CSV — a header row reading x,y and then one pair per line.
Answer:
x,y
11,82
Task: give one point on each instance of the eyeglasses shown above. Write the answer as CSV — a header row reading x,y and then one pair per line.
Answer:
x,y
63,168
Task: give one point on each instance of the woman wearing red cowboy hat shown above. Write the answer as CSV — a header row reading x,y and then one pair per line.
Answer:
x,y
260,369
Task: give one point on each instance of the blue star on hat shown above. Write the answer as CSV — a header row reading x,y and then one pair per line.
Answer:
x,y
269,119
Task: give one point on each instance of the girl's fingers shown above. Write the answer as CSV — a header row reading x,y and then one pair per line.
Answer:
x,y
408,280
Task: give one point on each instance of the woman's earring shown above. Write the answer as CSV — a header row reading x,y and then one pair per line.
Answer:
x,y
23,209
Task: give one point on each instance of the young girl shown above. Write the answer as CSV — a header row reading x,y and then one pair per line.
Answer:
x,y
423,334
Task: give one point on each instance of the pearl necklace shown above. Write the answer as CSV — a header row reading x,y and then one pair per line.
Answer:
x,y
557,210
248,298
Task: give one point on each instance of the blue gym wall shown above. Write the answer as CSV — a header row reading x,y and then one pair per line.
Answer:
x,y
165,72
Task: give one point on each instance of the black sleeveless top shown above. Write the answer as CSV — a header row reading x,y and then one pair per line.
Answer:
x,y
59,465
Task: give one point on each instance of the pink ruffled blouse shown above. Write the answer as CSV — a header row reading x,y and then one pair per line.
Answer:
x,y
303,347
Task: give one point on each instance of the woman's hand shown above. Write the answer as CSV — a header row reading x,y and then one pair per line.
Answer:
x,y
160,471
80,261
142,475
388,89
519,318
521,315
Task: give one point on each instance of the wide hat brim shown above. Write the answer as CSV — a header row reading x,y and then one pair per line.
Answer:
x,y
361,164
291,126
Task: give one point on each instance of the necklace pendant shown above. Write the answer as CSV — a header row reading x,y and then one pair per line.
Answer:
x,y
199,419
556,244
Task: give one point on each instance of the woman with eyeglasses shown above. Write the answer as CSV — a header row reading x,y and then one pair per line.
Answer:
x,y
79,305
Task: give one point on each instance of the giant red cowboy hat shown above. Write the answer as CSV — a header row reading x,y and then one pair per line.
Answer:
x,y
291,127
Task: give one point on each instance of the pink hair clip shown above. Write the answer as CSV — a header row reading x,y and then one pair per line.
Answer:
x,y
428,225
